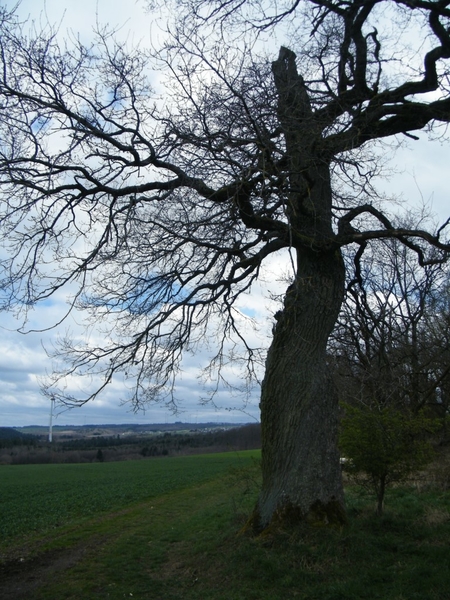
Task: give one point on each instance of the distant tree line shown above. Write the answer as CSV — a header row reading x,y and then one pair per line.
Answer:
x,y
115,448
11,437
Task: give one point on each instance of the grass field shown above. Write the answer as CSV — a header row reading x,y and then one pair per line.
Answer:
x,y
36,498
168,529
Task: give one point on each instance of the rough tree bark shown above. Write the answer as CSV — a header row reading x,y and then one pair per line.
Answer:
x,y
299,407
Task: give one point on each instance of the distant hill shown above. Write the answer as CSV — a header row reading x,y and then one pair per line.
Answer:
x,y
9,433
112,430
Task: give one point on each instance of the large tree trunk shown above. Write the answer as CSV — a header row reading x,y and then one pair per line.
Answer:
x,y
299,408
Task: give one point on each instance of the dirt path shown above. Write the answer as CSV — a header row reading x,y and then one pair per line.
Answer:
x,y
22,573
20,577
26,568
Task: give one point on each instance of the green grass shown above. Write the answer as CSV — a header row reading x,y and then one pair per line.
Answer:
x,y
179,539
35,498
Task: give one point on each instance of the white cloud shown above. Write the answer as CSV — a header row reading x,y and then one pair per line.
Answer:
x,y
81,16
422,175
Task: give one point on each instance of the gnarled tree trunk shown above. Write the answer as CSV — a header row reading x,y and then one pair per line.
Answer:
x,y
299,408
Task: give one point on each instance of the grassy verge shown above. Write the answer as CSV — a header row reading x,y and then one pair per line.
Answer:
x,y
184,543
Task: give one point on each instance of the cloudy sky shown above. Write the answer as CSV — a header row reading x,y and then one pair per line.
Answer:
x,y
422,176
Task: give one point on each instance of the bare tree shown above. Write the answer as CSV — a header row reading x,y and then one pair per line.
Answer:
x,y
389,346
389,355
158,217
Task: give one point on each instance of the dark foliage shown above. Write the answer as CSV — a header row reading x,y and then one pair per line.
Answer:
x,y
12,437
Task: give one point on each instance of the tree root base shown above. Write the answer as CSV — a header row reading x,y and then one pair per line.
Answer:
x,y
289,517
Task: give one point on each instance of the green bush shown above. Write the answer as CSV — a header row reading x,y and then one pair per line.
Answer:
x,y
383,445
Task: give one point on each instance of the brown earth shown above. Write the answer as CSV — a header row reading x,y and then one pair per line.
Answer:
x,y
21,576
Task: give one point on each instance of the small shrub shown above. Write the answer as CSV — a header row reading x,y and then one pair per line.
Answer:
x,y
384,446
